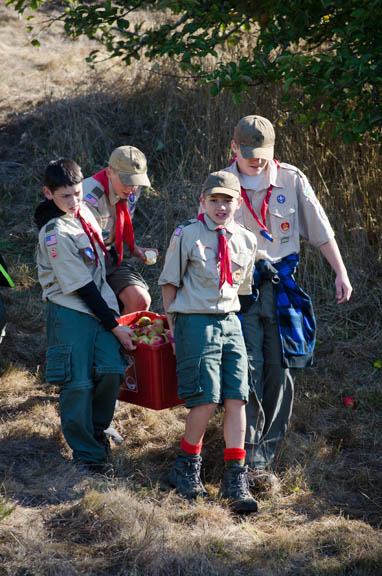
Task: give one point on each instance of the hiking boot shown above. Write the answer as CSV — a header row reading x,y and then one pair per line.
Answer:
x,y
235,488
184,476
104,441
262,480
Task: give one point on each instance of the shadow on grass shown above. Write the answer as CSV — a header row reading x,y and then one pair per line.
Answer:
x,y
33,473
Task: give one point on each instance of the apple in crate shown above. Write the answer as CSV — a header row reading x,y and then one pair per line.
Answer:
x,y
158,340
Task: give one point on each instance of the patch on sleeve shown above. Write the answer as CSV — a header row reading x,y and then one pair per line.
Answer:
x,y
90,199
51,240
96,191
178,230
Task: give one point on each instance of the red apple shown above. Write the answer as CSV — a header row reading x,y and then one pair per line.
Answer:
x,y
157,340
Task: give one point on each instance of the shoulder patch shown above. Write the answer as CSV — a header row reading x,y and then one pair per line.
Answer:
x,y
97,191
50,226
90,199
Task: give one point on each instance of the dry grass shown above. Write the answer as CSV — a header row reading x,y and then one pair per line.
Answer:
x,y
57,522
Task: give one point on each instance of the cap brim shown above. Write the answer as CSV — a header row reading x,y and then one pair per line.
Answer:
x,y
226,191
266,152
134,179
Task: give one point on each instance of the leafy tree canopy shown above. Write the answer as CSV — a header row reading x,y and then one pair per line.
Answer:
x,y
327,54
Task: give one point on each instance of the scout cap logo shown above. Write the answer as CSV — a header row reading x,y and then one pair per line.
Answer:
x,y
256,137
131,165
222,182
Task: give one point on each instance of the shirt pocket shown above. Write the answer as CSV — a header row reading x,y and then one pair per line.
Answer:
x,y
239,264
85,249
283,219
58,364
205,261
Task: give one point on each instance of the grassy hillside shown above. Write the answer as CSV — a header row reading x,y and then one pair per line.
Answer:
x,y
56,522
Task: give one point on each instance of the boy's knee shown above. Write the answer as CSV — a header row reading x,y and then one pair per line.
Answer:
x,y
134,299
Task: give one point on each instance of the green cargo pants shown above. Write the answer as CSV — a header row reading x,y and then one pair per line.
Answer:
x,y
270,404
85,361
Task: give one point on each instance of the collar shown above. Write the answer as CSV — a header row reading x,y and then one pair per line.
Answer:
x,y
211,225
113,198
270,176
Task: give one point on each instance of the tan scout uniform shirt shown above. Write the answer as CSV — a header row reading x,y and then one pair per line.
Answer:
x,y
294,211
103,206
192,265
66,262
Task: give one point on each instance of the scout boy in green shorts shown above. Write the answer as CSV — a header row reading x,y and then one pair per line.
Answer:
x,y
83,336
209,261
112,195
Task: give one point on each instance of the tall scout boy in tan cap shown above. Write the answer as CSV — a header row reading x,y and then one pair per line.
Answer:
x,y
209,261
83,336
278,322
112,195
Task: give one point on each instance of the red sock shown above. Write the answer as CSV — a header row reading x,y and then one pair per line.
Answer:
x,y
234,456
190,448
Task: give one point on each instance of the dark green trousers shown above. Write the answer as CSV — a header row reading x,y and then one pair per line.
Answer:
x,y
270,404
85,361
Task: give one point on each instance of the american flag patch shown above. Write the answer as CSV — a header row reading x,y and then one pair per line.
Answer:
x,y
51,240
90,199
178,231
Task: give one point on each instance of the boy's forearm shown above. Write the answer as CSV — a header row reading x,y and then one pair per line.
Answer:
x,y
332,254
168,296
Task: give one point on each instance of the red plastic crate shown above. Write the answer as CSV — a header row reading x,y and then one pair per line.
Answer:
x,y
150,379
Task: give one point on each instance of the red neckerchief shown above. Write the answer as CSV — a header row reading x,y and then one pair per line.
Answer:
x,y
264,208
92,234
223,253
124,227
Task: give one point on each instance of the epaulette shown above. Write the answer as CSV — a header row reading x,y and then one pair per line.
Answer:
x,y
292,168
50,226
188,222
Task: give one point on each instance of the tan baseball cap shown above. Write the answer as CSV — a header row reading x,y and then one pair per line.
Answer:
x,y
131,165
222,182
256,137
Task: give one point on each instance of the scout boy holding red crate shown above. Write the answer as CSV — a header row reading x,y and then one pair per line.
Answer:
x,y
208,263
83,336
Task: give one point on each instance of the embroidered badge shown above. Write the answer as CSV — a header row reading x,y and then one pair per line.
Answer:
x,y
132,198
89,253
51,240
284,240
53,253
90,199
281,198
178,231
285,226
236,276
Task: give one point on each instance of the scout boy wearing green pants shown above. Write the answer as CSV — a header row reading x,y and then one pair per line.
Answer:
x,y
83,336
279,206
209,261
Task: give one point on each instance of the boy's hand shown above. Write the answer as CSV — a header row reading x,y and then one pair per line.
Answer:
x,y
123,334
343,287
141,252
